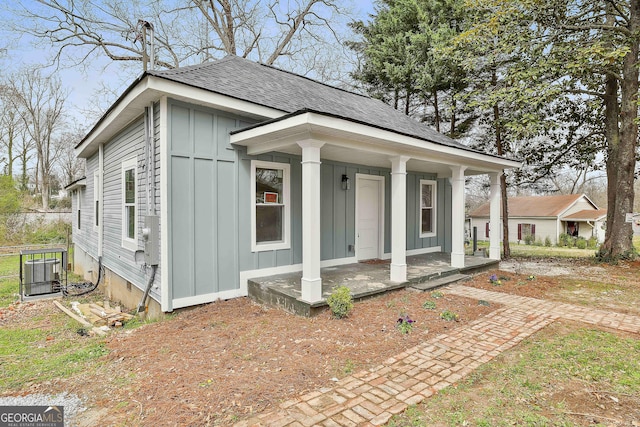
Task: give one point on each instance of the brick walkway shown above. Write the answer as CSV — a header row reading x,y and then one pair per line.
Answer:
x,y
371,398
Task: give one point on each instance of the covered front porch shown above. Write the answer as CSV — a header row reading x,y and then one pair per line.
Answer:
x,y
364,279
315,137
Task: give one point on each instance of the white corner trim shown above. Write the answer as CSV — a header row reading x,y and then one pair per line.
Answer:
x,y
165,299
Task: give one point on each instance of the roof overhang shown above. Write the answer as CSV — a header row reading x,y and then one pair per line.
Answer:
x,y
583,219
147,89
354,142
78,183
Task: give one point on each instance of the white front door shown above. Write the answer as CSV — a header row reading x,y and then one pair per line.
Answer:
x,y
369,216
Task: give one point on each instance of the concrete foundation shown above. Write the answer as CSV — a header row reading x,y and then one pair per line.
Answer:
x,y
364,280
114,287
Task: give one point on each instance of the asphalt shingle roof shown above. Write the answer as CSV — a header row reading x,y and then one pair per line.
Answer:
x,y
533,206
268,86
587,215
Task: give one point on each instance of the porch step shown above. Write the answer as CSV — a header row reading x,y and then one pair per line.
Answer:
x,y
436,283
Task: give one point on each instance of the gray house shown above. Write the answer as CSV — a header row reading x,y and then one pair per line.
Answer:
x,y
228,170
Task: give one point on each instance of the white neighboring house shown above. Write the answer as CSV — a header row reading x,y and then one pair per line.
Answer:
x,y
546,216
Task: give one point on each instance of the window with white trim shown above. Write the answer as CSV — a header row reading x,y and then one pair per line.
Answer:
x,y
270,219
427,215
96,199
129,205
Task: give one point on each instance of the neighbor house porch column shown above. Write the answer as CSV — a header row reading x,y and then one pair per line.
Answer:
x,y
399,219
494,216
457,216
311,284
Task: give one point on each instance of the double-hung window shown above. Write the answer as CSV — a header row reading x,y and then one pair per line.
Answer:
x,y
427,208
270,218
129,205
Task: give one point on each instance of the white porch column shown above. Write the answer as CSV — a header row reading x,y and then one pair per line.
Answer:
x,y
494,217
457,216
311,284
399,219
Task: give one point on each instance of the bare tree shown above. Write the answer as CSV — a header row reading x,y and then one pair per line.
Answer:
x,y
183,33
42,99
71,167
10,126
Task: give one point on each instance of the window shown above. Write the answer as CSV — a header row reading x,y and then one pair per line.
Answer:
x,y
96,199
270,221
79,206
129,205
427,208
526,232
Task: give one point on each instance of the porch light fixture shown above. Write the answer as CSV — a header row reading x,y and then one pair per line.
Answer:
x,y
346,183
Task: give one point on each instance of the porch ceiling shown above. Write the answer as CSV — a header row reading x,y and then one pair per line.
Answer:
x,y
352,142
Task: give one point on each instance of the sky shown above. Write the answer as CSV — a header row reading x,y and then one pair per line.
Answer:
x,y
84,83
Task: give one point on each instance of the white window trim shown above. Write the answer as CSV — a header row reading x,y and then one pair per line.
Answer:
x,y
128,243
96,201
286,232
434,195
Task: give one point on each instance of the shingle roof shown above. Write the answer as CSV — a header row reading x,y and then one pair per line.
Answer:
x,y
587,215
268,86
533,206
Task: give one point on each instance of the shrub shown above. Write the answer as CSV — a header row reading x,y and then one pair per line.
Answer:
x,y
436,294
592,243
547,241
529,239
538,242
565,240
405,324
581,243
340,302
449,316
429,305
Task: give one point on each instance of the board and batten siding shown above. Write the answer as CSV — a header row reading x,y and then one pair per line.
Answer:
x,y
210,207
203,204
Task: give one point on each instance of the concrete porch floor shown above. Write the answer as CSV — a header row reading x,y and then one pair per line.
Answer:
x,y
364,279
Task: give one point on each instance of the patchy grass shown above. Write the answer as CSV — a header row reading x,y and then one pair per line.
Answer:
x,y
51,349
9,286
532,251
552,251
562,376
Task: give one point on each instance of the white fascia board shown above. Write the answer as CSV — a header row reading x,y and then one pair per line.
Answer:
x,y
151,89
359,136
78,184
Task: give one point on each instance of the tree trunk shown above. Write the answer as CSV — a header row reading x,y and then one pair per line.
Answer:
x,y
621,146
452,131
436,109
506,249
44,187
407,101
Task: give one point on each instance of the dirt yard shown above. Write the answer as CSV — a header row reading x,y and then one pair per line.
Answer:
x,y
220,363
